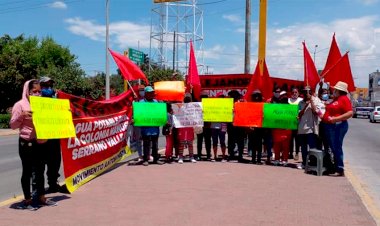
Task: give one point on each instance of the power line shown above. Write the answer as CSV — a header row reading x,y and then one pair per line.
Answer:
x,y
31,7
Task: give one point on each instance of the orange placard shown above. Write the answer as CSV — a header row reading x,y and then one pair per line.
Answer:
x,y
170,90
248,114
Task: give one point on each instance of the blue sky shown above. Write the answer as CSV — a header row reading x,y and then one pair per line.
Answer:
x,y
80,25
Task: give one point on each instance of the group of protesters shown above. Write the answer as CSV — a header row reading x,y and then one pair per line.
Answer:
x,y
35,153
322,125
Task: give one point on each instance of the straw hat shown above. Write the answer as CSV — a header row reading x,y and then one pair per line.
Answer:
x,y
342,86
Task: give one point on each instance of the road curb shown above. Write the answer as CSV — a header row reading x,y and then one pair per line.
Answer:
x,y
18,198
361,190
9,133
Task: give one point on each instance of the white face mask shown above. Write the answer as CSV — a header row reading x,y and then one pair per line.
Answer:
x,y
35,94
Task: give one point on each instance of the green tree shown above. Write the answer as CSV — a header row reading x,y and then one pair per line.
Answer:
x,y
23,58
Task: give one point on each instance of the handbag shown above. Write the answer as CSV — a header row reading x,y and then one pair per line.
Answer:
x,y
166,130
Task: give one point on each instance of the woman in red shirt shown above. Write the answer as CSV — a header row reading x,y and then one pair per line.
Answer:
x,y
336,127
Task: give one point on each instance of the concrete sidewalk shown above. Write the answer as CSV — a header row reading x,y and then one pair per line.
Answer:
x,y
202,193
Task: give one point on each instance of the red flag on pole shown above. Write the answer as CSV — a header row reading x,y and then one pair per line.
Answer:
x,y
262,83
129,70
333,57
193,83
311,77
341,71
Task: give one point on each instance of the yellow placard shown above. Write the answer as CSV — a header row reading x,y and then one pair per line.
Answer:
x,y
52,118
217,109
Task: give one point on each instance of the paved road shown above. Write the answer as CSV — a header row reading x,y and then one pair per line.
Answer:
x,y
10,167
362,151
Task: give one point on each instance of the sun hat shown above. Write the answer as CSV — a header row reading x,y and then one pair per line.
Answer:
x,y
283,93
256,91
342,86
148,89
45,79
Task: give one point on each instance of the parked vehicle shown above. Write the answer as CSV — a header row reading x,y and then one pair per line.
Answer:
x,y
375,115
362,111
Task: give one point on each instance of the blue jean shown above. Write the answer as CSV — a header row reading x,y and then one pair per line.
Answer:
x,y
335,134
306,140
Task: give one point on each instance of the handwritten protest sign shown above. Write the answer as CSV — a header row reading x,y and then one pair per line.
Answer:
x,y
187,115
248,114
217,109
281,116
52,118
169,90
149,114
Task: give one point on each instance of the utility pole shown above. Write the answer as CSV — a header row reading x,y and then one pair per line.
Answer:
x,y
174,51
107,55
247,57
262,34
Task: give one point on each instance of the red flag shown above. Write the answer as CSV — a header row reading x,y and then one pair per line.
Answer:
x,y
341,71
333,57
311,77
129,70
193,83
262,83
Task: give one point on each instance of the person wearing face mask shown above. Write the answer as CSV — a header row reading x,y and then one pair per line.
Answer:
x,y
295,99
336,125
52,147
32,158
135,140
256,134
308,126
150,133
281,137
322,142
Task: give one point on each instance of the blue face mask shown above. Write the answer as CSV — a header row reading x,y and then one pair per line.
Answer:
x,y
325,96
47,92
142,93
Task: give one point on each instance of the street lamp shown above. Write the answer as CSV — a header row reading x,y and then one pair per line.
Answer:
x,y
315,51
107,55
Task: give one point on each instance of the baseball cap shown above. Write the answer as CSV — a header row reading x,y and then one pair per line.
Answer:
x,y
148,89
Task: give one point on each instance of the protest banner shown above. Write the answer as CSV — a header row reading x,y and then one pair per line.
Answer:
x,y
280,116
187,114
52,118
248,114
169,90
149,114
101,137
217,109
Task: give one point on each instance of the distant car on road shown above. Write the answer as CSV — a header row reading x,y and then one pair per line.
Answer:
x,y
375,115
362,111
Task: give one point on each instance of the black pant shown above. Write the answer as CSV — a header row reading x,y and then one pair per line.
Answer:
x,y
150,141
32,167
206,135
236,135
255,143
294,141
52,153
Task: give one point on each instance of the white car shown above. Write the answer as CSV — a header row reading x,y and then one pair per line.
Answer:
x,y
362,111
375,115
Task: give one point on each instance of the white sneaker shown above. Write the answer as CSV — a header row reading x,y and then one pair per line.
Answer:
x,y
180,161
284,163
193,160
300,166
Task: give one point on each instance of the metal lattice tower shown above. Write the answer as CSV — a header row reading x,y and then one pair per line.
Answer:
x,y
173,26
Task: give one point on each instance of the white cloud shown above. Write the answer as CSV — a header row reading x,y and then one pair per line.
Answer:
x,y
58,5
123,33
233,18
368,2
214,52
360,36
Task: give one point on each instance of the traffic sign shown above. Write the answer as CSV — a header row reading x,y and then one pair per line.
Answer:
x,y
136,56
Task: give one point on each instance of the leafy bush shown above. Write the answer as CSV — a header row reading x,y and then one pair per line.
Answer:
x,y
4,121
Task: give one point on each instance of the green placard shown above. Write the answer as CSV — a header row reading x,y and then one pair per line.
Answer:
x,y
217,109
136,56
149,114
280,116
